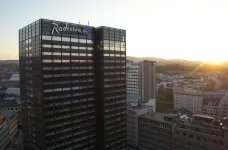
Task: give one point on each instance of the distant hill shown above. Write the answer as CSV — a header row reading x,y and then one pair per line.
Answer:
x,y
161,61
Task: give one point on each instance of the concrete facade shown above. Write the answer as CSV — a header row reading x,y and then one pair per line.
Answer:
x,y
141,79
155,132
190,135
207,103
133,112
190,100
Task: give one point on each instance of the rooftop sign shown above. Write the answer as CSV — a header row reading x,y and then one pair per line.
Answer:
x,y
72,29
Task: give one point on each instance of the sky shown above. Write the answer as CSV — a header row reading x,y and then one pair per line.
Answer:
x,y
177,29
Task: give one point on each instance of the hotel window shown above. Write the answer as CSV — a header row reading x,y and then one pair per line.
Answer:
x,y
65,47
74,47
56,38
82,40
46,46
90,41
46,53
45,37
65,39
57,53
47,60
74,40
56,46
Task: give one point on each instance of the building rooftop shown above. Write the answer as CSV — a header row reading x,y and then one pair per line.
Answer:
x,y
15,77
157,116
10,103
15,91
133,98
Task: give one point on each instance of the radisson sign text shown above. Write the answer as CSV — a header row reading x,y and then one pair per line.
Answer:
x,y
58,29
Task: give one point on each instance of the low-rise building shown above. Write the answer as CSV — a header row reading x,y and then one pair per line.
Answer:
x,y
201,132
134,110
199,101
190,100
159,131
155,131
12,82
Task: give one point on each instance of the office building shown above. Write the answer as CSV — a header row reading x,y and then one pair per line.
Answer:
x,y
12,82
141,79
188,99
156,131
201,132
72,80
199,101
134,110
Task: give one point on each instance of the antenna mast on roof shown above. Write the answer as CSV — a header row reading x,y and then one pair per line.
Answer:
x,y
88,22
79,19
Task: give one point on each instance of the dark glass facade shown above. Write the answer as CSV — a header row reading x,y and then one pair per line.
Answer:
x,y
72,86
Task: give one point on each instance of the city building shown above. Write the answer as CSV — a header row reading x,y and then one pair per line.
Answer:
x,y
216,105
13,105
73,86
12,82
198,101
156,131
8,128
223,106
12,93
201,132
180,131
190,100
141,79
134,110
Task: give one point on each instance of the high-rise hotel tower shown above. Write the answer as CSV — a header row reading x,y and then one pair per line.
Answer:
x,y
73,86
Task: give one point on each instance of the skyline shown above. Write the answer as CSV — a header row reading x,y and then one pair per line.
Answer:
x,y
190,30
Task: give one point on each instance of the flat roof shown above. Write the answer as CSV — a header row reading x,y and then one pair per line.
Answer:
x,y
13,91
157,116
15,77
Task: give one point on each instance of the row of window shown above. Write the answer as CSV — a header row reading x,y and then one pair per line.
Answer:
x,y
66,102
67,68
155,123
114,79
66,47
67,89
114,61
65,54
72,74
63,60
66,39
115,55
68,82
113,72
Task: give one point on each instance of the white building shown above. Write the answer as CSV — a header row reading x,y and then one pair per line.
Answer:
x,y
190,100
198,101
